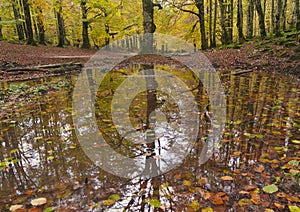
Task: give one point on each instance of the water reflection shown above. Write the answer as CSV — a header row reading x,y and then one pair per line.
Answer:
x,y
40,151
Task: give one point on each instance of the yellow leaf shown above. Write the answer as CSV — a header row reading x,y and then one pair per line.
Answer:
x,y
226,178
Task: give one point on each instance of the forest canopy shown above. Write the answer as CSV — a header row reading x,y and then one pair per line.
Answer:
x,y
95,23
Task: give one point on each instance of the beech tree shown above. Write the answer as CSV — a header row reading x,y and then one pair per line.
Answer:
x,y
28,22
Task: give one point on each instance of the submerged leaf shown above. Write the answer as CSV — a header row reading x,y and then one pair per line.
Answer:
x,y
195,205
226,178
208,209
155,203
270,189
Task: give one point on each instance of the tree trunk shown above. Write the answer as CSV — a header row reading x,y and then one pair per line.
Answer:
x,y
278,18
200,7
225,37
30,40
60,24
149,26
85,26
40,24
1,34
210,23
273,16
230,21
261,19
239,23
214,43
250,15
17,16
283,15
148,15
297,11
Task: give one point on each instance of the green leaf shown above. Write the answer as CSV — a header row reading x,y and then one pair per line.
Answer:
x,y
270,189
115,197
51,157
50,209
14,151
294,208
293,162
296,141
155,203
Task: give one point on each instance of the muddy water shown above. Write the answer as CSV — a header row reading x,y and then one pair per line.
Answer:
x,y
41,156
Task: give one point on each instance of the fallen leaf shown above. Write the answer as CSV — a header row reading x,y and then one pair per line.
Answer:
x,y
227,178
195,205
259,169
244,202
255,198
29,192
15,207
202,181
155,203
250,187
270,189
243,192
38,201
34,210
279,206
208,209
281,194
294,208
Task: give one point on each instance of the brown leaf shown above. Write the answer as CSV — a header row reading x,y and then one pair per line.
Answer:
x,y
279,206
259,169
243,192
255,198
250,187
29,192
34,210
216,200
202,181
281,194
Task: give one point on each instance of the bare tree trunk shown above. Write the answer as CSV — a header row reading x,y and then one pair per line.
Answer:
x,y
273,16
17,17
214,43
297,11
1,34
40,24
210,23
278,17
239,23
283,15
250,15
30,40
261,19
60,24
148,15
85,26
225,37
200,7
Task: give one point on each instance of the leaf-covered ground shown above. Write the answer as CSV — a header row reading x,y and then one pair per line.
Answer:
x,y
279,55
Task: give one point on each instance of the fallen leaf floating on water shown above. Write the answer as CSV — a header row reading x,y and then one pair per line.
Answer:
x,y
15,207
38,201
279,206
294,208
226,178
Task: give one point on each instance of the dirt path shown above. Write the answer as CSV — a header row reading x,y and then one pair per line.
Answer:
x,y
253,56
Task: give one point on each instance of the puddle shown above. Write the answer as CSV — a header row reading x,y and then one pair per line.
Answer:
x,y
40,155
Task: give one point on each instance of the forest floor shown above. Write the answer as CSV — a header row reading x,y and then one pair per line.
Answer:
x,y
274,55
